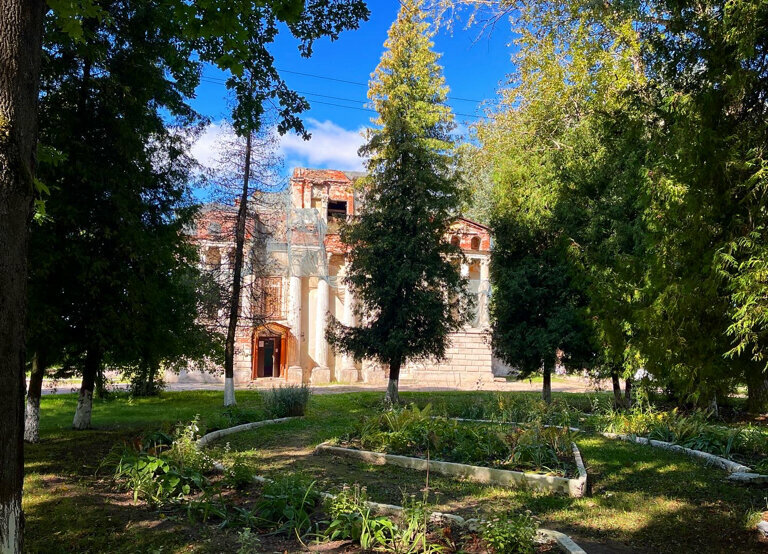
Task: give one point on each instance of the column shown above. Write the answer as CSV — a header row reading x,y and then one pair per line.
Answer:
x,y
295,373
321,373
484,293
465,270
349,373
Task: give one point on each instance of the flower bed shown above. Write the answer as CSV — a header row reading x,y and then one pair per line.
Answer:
x,y
534,447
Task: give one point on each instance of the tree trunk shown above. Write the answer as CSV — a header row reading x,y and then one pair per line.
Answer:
x,y
393,397
618,402
628,393
757,389
85,399
21,25
234,308
546,386
32,419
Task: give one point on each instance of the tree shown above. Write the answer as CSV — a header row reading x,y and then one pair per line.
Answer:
x,y
247,165
112,238
20,38
538,310
402,270
213,29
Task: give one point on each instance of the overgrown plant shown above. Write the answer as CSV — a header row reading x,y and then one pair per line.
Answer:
x,y
510,534
286,505
288,401
414,432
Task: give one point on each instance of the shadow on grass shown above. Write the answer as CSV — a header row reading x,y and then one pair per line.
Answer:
x,y
643,499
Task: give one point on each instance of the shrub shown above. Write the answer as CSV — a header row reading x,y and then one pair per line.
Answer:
x,y
184,452
510,534
289,401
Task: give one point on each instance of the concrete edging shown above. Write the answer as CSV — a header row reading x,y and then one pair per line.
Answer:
x,y
738,473
722,463
564,542
547,483
214,435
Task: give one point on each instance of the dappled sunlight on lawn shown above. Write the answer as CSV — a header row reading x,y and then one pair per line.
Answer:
x,y
642,499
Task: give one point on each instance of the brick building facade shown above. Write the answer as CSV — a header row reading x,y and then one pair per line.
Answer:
x,y
300,280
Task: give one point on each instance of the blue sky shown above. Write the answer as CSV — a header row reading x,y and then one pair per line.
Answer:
x,y
475,66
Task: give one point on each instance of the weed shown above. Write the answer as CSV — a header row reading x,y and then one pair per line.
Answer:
x,y
286,504
249,542
238,472
510,534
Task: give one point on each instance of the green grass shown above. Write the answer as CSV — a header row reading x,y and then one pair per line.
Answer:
x,y
643,499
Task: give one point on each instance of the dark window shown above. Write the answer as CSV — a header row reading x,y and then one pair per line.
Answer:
x,y
456,241
337,208
475,243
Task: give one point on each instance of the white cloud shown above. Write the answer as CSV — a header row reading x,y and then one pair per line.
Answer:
x,y
331,146
204,150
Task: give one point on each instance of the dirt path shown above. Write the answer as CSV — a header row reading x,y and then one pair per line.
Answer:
x,y
561,384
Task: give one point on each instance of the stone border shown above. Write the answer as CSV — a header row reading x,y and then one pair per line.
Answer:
x,y
738,473
214,435
548,483
564,542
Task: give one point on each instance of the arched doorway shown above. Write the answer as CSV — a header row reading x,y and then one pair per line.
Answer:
x,y
270,351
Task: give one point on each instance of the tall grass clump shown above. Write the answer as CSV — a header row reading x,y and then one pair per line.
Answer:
x,y
289,401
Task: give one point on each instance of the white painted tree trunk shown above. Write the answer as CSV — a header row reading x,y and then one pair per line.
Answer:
x,y
32,420
10,526
229,391
83,412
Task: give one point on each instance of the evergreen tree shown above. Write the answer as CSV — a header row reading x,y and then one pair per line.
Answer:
x,y
403,272
110,255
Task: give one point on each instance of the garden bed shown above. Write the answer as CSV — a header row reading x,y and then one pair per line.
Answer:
x,y
575,487
536,456
641,499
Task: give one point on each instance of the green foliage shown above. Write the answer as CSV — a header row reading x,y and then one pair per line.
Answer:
x,y
630,168
348,515
238,471
351,519
286,504
232,416
249,542
184,452
403,270
510,533
288,401
694,431
159,470
413,432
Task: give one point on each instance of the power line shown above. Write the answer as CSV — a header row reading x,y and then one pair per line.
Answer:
x,y
358,83
215,81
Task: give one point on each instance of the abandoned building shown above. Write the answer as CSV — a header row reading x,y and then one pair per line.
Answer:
x,y
293,278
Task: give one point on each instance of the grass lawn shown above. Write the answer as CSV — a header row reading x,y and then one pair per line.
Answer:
x,y
643,499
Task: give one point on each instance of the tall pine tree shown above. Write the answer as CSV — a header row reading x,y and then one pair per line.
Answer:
x,y
402,270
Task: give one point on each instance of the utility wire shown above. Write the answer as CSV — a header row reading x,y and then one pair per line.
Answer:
x,y
217,82
358,83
